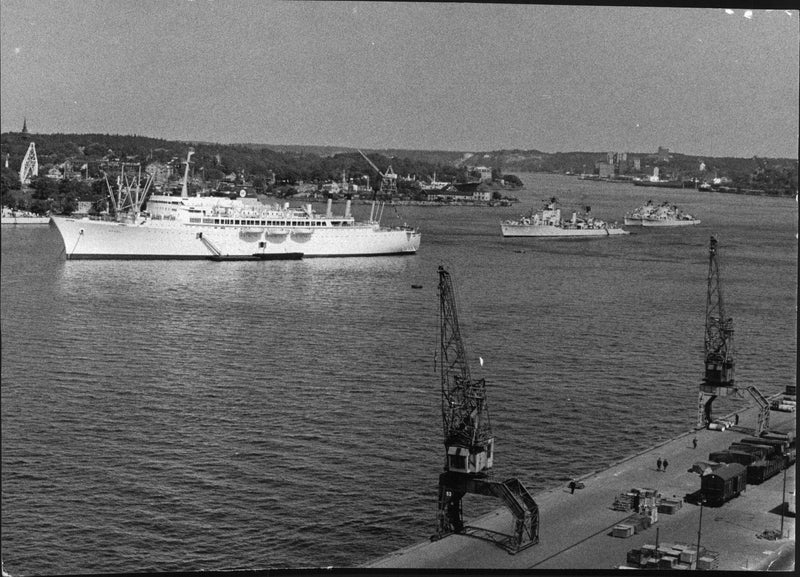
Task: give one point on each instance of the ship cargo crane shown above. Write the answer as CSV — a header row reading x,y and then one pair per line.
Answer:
x,y
718,380
469,442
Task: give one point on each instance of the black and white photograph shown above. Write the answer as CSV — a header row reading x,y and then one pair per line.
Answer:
x,y
331,287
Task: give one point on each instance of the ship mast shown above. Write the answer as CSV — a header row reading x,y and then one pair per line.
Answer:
x,y
185,187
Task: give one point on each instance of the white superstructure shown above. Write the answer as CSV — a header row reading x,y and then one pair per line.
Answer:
x,y
221,228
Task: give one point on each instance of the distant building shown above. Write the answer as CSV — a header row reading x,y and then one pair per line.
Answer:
x,y
54,173
663,154
84,206
605,169
484,173
159,171
331,188
617,158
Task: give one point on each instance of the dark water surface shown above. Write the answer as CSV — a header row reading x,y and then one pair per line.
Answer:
x,y
181,416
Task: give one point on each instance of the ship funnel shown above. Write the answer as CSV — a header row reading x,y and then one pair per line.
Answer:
x,y
285,206
309,210
347,208
329,209
574,218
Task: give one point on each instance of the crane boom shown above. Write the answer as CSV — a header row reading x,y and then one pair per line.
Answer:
x,y
372,164
719,328
465,412
719,362
469,444
388,178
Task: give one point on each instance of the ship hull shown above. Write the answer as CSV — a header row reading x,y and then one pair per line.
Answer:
x,y
528,230
668,222
97,239
660,183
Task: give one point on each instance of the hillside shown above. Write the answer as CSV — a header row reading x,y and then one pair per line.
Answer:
x,y
292,163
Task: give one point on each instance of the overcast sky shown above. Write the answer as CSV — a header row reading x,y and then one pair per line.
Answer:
x,y
446,76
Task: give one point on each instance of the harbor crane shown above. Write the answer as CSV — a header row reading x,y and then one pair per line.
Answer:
x,y
388,179
718,380
469,442
30,165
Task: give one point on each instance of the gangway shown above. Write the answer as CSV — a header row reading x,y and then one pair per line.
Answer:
x,y
209,245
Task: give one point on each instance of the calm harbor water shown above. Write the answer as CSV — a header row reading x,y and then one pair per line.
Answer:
x,y
182,416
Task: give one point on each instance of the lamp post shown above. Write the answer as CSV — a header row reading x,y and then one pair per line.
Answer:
x,y
783,500
699,529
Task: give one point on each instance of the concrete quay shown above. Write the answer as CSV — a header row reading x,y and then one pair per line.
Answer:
x,y
575,530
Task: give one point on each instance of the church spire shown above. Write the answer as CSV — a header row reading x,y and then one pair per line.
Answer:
x,y
24,125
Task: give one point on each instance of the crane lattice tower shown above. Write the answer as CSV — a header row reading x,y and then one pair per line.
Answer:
x,y
469,443
718,379
30,165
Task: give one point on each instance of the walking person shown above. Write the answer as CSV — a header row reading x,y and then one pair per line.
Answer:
x,y
658,463
572,487
694,443
664,464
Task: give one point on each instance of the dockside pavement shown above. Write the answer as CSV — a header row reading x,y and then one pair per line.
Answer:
x,y
575,530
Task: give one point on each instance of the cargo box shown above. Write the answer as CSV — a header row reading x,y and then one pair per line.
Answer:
x,y
667,562
689,556
622,531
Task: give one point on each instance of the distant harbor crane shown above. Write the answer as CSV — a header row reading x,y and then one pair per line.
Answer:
x,y
469,443
718,380
30,165
388,179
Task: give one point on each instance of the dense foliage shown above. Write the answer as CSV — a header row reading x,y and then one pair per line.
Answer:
x,y
286,166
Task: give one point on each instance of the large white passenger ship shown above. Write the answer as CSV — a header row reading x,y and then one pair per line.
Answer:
x,y
223,228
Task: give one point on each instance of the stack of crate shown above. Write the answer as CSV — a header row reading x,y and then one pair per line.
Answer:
x,y
672,557
648,499
708,561
669,506
623,502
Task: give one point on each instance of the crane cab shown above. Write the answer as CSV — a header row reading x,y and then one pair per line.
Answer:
x,y
470,460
